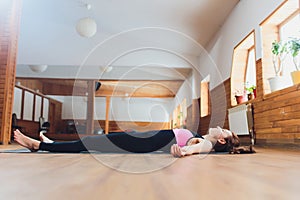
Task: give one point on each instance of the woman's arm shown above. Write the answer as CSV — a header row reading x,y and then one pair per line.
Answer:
x,y
204,146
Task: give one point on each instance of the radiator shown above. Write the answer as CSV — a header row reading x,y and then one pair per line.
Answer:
x,y
241,119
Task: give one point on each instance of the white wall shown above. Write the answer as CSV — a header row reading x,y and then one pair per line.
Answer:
x,y
140,109
184,92
246,16
121,109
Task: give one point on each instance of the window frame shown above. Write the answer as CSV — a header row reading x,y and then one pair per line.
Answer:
x,y
205,98
248,57
288,19
240,59
270,31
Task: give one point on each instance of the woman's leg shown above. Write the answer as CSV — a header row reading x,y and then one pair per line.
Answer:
x,y
43,138
120,142
47,144
115,142
97,143
137,142
27,142
63,147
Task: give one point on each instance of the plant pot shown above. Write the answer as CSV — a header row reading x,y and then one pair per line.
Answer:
x,y
296,77
241,98
279,82
251,96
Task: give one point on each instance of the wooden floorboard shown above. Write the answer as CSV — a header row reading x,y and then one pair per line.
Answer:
x,y
269,174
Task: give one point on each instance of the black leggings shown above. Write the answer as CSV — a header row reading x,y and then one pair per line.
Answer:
x,y
121,142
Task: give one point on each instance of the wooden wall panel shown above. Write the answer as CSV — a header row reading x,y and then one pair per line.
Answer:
x,y
10,13
31,84
193,113
115,126
259,81
55,114
29,128
189,117
276,115
220,102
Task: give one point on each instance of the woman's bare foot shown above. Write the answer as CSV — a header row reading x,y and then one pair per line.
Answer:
x,y
29,143
43,138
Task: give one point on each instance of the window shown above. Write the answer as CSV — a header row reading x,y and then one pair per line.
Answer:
x,y
204,97
28,106
287,30
32,106
251,68
180,115
45,109
37,110
243,72
176,119
17,102
282,24
183,115
291,27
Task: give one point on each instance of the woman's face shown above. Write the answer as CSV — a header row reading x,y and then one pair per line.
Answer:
x,y
219,133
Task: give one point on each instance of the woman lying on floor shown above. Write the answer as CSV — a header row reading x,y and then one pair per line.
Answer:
x,y
180,142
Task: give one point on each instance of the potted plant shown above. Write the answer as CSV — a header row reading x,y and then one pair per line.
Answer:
x,y
251,91
241,96
279,51
294,50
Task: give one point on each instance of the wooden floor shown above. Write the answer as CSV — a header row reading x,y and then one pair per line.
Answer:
x,y
269,174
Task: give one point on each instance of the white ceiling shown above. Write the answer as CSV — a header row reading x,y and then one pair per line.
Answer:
x,y
131,33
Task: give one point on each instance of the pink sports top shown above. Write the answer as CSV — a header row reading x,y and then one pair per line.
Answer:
x,y
182,136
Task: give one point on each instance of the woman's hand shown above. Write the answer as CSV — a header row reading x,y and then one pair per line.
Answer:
x,y
177,151
204,146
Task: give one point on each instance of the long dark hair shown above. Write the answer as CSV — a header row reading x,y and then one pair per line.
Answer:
x,y
232,146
